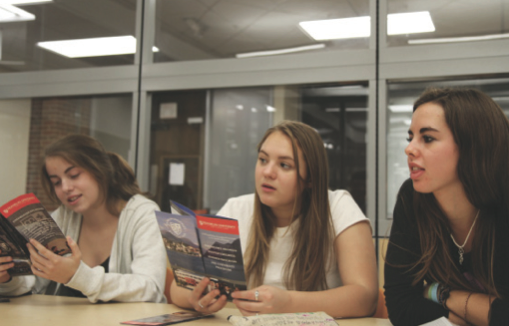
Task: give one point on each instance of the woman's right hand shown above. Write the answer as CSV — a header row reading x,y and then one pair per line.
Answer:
x,y
207,303
5,264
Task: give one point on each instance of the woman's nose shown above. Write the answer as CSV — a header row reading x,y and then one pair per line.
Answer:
x,y
269,170
66,185
410,149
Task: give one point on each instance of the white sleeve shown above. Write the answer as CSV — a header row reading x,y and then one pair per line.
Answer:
x,y
345,211
143,279
18,285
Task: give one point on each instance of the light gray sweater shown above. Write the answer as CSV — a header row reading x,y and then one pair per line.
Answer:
x,y
137,266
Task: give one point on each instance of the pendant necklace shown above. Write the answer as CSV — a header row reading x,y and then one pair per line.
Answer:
x,y
461,251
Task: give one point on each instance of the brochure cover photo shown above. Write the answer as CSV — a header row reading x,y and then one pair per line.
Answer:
x,y
203,246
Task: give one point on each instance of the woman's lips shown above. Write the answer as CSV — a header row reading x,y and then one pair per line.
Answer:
x,y
416,172
267,187
73,199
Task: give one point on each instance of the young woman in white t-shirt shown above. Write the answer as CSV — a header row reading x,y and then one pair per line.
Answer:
x,y
305,248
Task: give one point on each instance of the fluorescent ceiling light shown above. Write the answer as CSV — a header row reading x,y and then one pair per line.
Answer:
x,y
22,2
10,13
409,23
459,39
356,109
342,28
270,108
93,47
401,108
331,110
281,51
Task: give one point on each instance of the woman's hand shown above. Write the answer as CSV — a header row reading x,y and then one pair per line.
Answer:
x,y
51,266
209,302
264,299
5,264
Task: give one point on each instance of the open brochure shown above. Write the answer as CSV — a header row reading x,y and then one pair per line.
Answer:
x,y
168,319
203,245
290,319
22,219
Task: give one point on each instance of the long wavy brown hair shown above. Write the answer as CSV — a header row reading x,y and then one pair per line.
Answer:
x,y
305,269
481,132
115,177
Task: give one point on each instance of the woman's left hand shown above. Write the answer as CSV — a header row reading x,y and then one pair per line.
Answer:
x,y
47,264
264,299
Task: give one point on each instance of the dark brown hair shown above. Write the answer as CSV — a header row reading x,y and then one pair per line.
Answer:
x,y
115,177
481,132
305,269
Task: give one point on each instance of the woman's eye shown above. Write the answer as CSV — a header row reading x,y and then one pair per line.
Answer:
x,y
285,166
262,160
427,139
56,183
75,176
409,139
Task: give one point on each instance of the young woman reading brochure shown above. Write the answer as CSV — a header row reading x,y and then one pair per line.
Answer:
x,y
117,250
306,248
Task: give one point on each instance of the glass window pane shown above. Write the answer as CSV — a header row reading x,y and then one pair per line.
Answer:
x,y
197,30
453,21
239,118
177,141
340,115
399,115
27,126
66,20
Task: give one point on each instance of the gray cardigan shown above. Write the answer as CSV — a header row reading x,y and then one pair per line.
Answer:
x,y
137,266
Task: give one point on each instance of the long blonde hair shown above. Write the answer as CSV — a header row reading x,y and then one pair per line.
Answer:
x,y
305,269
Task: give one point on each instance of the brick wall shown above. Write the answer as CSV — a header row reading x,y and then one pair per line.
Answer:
x,y
52,118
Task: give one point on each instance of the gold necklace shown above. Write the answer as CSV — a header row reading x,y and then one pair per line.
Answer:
x,y
461,251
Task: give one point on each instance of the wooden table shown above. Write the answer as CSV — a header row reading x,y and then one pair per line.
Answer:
x,y
45,310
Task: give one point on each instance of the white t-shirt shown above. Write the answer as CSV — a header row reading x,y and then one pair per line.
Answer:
x,y
345,213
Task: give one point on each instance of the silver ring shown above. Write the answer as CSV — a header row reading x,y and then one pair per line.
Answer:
x,y
256,295
201,306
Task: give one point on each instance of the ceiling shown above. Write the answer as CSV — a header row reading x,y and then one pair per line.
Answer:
x,y
210,29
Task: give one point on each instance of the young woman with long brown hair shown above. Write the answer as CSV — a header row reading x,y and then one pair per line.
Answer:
x,y
447,254
117,250
306,248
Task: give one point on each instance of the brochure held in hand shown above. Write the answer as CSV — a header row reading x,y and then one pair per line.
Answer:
x,y
203,246
22,219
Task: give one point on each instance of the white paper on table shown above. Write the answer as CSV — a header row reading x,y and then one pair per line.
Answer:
x,y
177,174
442,321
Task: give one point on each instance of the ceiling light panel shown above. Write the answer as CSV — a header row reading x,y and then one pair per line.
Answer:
x,y
342,28
357,27
93,47
22,2
10,14
409,23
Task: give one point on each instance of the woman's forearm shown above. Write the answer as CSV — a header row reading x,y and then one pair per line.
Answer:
x,y
470,306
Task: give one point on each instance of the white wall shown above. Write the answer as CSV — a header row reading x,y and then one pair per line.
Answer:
x,y
14,132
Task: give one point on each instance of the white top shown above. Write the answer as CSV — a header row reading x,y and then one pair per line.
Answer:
x,y
345,213
137,266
